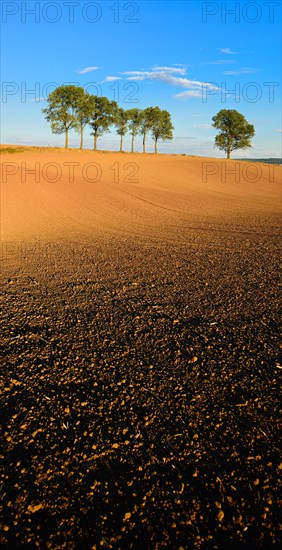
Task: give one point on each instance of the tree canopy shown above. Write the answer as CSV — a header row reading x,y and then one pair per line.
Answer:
x,y
235,131
103,115
162,126
61,111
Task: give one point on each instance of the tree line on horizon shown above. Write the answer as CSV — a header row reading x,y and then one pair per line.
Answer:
x,y
71,108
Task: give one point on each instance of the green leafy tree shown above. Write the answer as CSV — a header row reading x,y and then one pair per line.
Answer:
x,y
103,115
162,127
135,117
235,131
61,110
121,124
83,113
148,118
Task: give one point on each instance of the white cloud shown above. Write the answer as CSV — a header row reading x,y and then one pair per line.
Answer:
x,y
178,68
176,138
87,70
112,78
204,126
246,70
179,81
37,99
135,78
226,50
175,70
168,78
183,95
278,130
169,75
141,73
220,62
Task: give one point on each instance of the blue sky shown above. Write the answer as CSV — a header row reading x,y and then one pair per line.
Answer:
x,y
192,58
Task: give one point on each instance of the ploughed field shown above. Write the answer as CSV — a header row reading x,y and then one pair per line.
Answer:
x,y
140,380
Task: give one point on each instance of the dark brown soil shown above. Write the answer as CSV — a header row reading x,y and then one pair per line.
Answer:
x,y
140,392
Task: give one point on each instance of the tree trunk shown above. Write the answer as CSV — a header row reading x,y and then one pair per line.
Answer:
x,y
81,137
228,152
156,148
132,144
67,139
95,142
144,143
120,147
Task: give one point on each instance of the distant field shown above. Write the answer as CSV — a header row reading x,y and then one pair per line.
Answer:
x,y
54,193
267,161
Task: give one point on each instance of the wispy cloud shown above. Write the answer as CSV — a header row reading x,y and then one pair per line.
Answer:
x,y
278,130
227,50
112,78
37,99
204,126
135,78
169,75
190,93
220,62
176,138
182,82
173,70
246,70
87,70
136,73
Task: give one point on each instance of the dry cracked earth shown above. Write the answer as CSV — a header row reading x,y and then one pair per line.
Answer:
x,y
140,392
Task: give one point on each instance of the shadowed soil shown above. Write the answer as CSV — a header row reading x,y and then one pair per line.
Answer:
x,y
140,382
